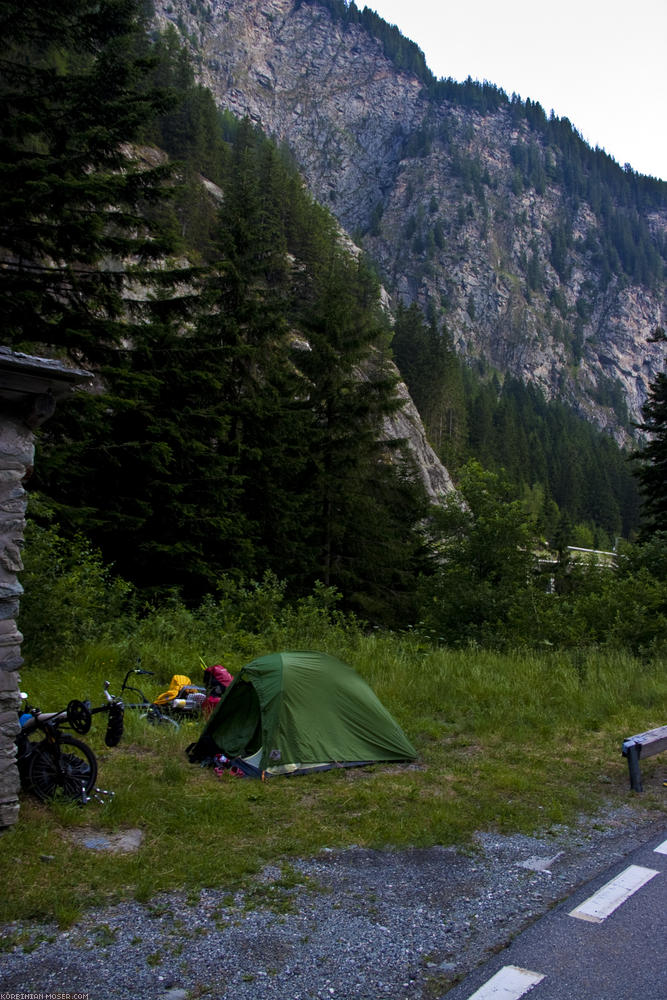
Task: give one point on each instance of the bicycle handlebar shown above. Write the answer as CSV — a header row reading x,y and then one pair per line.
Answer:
x,y
134,670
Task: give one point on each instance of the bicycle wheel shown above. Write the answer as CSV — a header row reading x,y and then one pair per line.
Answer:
x,y
158,718
67,768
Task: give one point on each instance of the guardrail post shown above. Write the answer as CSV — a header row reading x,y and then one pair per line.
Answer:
x,y
633,752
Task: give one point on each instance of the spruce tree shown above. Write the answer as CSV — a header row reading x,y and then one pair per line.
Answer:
x,y
652,458
366,503
247,311
86,235
248,437
427,361
191,412
141,471
73,194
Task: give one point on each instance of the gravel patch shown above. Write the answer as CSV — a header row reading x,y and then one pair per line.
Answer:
x,y
354,924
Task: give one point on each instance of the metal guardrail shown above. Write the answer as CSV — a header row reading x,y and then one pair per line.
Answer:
x,y
643,745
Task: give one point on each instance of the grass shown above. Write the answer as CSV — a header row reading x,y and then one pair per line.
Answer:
x,y
520,742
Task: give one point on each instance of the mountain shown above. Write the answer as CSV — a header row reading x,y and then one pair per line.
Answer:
x,y
544,259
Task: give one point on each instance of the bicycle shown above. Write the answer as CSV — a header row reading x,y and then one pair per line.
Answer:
x,y
185,703
60,765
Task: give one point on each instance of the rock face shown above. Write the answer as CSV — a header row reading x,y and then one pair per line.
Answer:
x,y
406,425
434,190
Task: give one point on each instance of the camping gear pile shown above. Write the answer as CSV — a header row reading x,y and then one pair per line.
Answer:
x,y
295,712
182,700
216,680
182,696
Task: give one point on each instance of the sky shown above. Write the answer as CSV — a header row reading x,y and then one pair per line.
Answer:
x,y
600,63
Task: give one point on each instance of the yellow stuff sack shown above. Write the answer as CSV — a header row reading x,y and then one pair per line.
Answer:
x,y
178,681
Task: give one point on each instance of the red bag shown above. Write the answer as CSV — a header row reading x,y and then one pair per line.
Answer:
x,y
216,680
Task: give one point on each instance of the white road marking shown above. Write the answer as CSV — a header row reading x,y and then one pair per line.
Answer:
x,y
662,848
598,906
508,984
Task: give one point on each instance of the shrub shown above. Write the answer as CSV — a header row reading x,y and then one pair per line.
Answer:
x,y
70,596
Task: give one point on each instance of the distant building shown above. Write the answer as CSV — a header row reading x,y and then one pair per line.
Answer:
x,y
594,557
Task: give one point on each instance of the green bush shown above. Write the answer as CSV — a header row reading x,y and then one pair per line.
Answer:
x,y
482,584
70,596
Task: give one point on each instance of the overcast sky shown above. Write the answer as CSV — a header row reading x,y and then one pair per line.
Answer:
x,y
600,63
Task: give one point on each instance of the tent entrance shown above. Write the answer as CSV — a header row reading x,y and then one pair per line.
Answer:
x,y
238,733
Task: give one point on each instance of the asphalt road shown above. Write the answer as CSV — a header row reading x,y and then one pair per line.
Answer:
x,y
608,941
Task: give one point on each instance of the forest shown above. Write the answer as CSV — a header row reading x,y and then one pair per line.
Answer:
x,y
233,438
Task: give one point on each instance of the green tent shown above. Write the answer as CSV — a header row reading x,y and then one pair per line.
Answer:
x,y
288,713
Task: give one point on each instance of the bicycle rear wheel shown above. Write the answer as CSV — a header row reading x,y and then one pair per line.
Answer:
x,y
67,769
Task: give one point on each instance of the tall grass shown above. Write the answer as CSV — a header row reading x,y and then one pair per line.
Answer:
x,y
514,694
509,742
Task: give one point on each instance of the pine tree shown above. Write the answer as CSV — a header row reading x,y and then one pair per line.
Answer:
x,y
652,458
246,438
85,238
73,229
194,415
248,300
365,503
190,132
427,361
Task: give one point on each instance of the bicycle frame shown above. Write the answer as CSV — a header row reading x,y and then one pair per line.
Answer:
x,y
153,712
60,764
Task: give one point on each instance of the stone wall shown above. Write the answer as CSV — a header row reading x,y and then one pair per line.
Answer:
x,y
16,459
29,390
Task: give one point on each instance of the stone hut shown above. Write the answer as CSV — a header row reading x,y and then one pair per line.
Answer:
x,y
29,390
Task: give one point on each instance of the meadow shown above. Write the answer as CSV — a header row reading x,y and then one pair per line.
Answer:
x,y
520,741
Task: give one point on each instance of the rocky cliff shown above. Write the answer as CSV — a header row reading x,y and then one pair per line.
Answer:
x,y
468,211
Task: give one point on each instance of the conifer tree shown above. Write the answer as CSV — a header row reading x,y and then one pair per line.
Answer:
x,y
190,426
142,473
427,361
652,468
73,229
247,309
365,502
85,239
